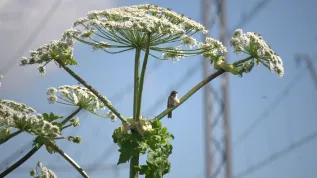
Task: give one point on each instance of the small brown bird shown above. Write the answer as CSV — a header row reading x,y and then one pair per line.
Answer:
x,y
172,101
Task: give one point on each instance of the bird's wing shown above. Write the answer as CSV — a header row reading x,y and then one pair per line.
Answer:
x,y
169,102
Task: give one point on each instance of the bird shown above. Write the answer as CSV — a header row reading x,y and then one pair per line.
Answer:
x,y
172,101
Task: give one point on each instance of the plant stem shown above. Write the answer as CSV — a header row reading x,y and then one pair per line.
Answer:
x,y
10,136
191,92
134,161
66,126
33,150
242,61
136,82
146,57
20,162
71,161
71,116
94,91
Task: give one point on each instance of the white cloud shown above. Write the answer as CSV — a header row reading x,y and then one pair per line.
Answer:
x,y
19,18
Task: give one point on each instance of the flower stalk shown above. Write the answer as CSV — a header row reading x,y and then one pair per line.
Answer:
x,y
191,92
136,82
146,56
70,160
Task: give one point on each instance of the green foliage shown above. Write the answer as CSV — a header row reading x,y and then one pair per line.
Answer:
x,y
51,117
235,69
155,143
4,133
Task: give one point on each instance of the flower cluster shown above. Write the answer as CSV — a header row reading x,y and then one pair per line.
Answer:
x,y
141,18
143,125
45,172
75,122
129,27
61,50
76,139
212,48
78,96
112,116
18,115
254,45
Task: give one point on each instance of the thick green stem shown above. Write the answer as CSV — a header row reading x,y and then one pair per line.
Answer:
x,y
10,136
71,161
33,150
191,92
94,91
146,57
134,161
136,82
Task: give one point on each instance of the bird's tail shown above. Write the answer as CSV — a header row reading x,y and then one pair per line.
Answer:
x,y
169,115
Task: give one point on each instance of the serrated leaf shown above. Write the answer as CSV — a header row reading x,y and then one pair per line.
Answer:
x,y
51,117
123,158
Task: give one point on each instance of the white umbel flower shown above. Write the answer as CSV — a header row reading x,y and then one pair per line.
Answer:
x,y
212,48
129,26
18,115
45,172
253,44
77,96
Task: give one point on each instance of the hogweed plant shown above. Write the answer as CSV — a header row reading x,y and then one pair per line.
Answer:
x,y
157,32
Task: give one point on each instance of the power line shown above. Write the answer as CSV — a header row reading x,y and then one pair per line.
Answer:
x,y
277,101
35,33
248,16
278,154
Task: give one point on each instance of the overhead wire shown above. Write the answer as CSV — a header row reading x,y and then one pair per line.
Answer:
x,y
34,34
267,111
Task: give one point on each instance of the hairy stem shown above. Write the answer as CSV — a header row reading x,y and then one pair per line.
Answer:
x,y
191,92
94,91
146,56
33,150
20,161
136,82
10,136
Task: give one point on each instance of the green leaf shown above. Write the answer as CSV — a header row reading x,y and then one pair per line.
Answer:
x,y
4,133
248,66
58,124
123,158
51,117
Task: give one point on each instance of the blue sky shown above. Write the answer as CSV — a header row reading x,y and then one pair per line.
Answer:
x,y
288,26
